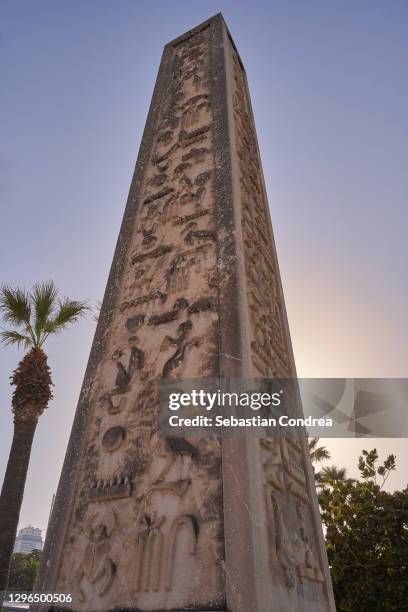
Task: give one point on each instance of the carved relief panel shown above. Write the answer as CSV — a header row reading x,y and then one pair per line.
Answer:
x,y
293,556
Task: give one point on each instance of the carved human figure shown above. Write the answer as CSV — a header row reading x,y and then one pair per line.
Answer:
x,y
97,566
136,362
177,275
115,399
181,344
142,282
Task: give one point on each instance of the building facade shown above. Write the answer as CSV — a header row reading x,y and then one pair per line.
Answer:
x,y
28,539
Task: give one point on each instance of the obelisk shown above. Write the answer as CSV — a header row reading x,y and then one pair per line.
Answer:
x,y
194,291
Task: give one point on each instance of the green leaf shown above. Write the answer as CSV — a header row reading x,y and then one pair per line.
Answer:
x,y
15,306
367,539
43,297
69,312
10,337
317,453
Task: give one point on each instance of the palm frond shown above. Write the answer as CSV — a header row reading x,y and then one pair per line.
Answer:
x,y
9,337
332,472
313,442
50,316
318,453
43,297
15,306
69,311
331,475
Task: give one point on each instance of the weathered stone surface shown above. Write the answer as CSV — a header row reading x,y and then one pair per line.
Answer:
x,y
144,523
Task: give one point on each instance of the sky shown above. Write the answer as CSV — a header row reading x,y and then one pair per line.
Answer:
x,y
330,97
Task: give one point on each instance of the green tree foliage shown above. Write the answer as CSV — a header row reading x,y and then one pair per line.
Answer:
x,y
23,571
318,453
366,537
329,475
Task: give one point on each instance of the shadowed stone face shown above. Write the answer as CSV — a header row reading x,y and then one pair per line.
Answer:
x,y
149,523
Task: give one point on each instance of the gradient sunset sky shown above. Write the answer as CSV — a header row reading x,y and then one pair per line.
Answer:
x,y
329,88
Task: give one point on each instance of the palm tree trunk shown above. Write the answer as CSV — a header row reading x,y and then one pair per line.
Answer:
x,y
12,492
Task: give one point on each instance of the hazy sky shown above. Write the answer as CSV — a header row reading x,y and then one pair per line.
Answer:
x,y
329,88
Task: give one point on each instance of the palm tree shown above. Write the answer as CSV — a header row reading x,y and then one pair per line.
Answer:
x,y
33,316
332,475
318,453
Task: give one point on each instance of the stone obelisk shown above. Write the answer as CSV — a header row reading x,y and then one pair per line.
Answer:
x,y
194,291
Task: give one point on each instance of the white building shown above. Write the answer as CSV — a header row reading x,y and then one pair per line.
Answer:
x,y
28,539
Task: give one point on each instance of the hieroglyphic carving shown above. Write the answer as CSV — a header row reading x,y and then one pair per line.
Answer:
x,y
154,553
115,488
191,522
149,553
308,568
280,545
286,487
134,322
136,361
171,315
114,401
187,264
157,532
272,463
193,234
157,252
175,449
165,291
292,456
269,348
113,438
181,343
155,297
96,565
